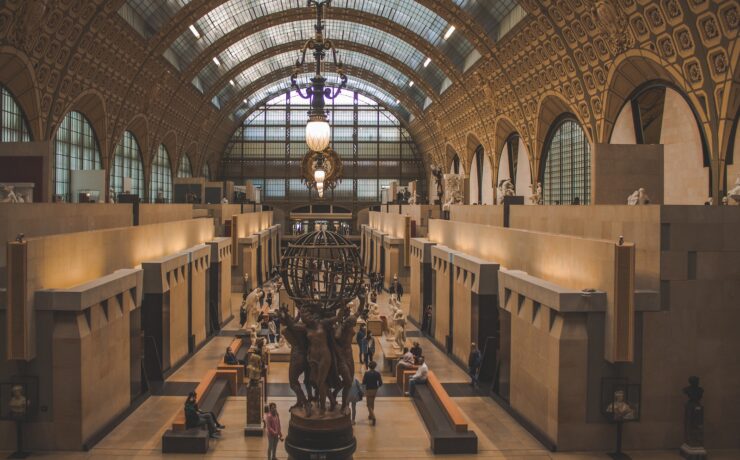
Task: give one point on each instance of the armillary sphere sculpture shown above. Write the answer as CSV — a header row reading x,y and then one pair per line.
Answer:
x,y
322,273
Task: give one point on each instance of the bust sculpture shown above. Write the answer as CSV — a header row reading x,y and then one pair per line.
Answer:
x,y
619,408
18,404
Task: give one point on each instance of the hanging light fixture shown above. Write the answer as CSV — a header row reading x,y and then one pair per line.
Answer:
x,y
318,131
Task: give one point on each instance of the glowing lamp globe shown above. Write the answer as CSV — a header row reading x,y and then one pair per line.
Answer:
x,y
318,135
319,175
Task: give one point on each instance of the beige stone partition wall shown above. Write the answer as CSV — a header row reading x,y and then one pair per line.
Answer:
x,y
638,224
166,304
41,219
161,213
220,290
443,270
246,225
420,278
484,215
87,352
199,262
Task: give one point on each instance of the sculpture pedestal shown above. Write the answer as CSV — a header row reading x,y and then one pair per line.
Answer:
x,y
693,453
254,411
327,437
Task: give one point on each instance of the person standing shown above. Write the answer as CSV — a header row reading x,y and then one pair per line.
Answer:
x,y
369,347
474,362
416,351
274,432
420,378
360,339
427,327
355,395
396,288
372,381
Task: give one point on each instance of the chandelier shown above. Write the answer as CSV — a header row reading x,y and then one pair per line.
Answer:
x,y
318,131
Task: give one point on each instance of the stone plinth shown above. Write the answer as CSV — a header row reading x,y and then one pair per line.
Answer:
x,y
254,411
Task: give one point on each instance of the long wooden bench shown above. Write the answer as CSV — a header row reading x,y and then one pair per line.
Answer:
x,y
448,428
402,376
211,393
241,353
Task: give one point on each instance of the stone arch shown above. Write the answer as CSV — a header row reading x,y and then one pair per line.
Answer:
x,y
630,71
91,104
169,140
450,155
551,107
17,74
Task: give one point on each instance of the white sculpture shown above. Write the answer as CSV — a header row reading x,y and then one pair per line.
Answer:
x,y
412,199
10,196
399,323
638,197
253,305
453,189
734,194
505,188
536,197
373,310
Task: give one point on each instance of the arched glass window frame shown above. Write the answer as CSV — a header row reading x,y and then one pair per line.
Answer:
x,y
300,31
585,197
10,109
268,91
512,152
90,152
128,150
350,59
161,175
258,149
456,166
413,16
206,171
185,167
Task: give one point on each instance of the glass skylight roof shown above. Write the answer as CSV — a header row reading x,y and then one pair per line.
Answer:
x,y
268,92
300,31
489,13
233,14
350,59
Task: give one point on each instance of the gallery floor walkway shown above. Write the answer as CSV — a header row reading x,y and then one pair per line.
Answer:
x,y
399,433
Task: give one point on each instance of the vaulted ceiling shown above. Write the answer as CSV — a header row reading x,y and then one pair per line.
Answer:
x,y
240,53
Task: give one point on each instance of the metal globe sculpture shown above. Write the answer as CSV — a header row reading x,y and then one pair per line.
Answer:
x,y
322,269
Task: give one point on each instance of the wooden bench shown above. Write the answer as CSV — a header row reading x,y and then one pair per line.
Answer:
x,y
401,375
448,429
236,347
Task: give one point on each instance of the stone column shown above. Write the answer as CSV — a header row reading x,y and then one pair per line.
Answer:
x,y
420,283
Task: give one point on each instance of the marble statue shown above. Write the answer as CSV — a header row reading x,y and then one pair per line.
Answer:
x,y
734,193
438,179
10,195
453,189
254,369
399,322
253,304
18,404
619,408
638,197
373,310
505,188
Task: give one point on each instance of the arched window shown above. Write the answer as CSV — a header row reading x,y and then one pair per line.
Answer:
x,y
184,170
13,124
476,179
455,169
659,113
206,171
512,155
127,164
160,187
76,149
567,160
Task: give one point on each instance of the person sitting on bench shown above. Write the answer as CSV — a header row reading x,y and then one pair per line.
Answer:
x,y
416,351
231,359
407,360
420,378
195,418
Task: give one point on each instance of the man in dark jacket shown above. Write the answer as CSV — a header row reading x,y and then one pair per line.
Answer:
x,y
474,362
396,288
372,380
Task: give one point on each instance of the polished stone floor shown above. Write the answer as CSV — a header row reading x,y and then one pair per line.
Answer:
x,y
399,433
